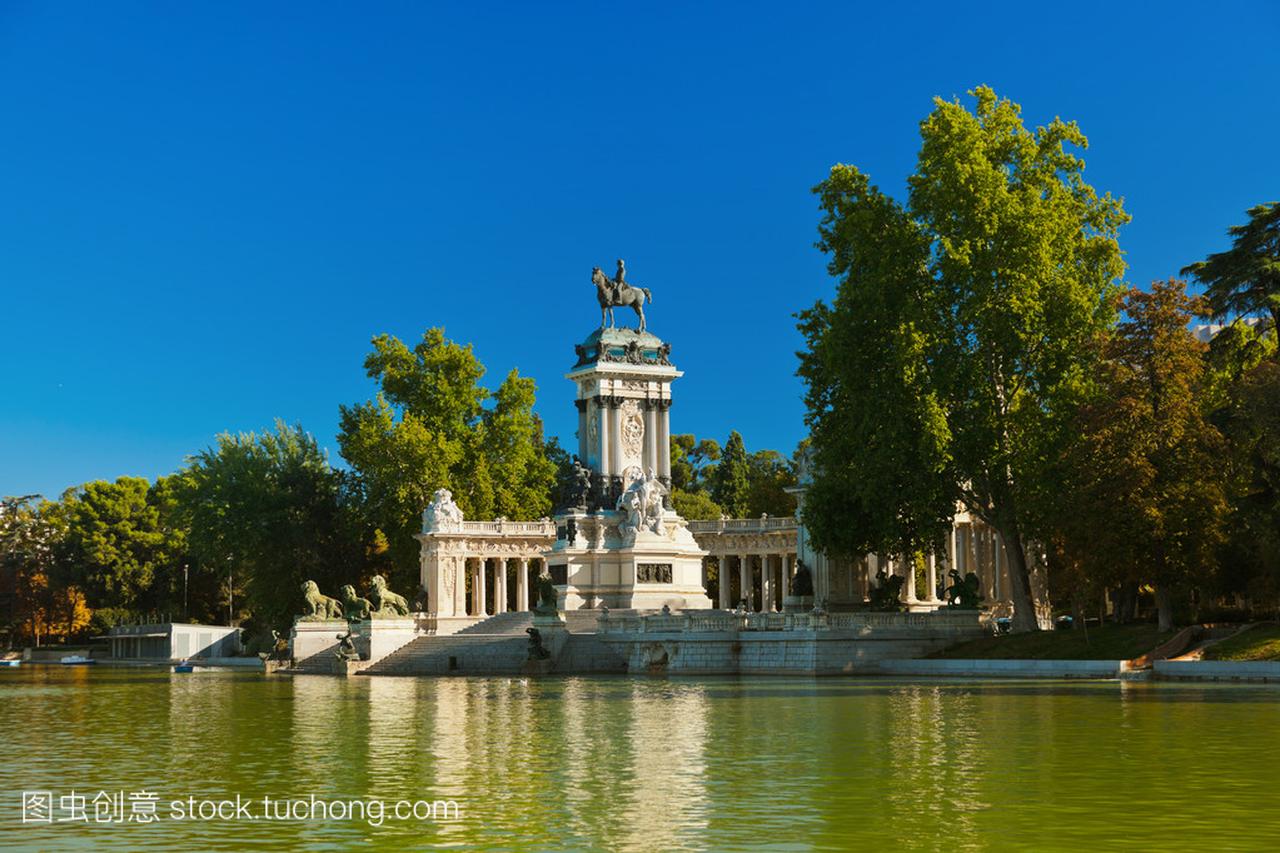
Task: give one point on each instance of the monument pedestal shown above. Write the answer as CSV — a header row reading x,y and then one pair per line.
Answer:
x,y
644,570
310,638
377,637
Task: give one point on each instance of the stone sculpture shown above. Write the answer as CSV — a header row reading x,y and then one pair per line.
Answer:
x,y
442,514
546,596
964,593
353,606
537,651
346,648
885,594
802,583
318,605
642,502
579,488
421,600
383,602
616,293
279,646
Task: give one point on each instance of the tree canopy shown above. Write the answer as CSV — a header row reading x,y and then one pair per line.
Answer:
x,y
994,277
431,426
1245,279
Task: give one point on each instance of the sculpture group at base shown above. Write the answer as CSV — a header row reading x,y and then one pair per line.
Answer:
x,y
643,503
964,594
378,603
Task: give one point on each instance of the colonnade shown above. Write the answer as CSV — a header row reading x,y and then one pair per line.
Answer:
x,y
491,591
758,581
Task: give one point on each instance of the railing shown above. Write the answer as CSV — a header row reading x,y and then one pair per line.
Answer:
x,y
744,525
511,528
712,621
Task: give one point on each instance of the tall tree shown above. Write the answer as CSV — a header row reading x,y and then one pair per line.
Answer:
x,y
37,607
878,434
429,428
116,545
1245,279
1146,496
1005,262
691,460
769,475
730,482
266,512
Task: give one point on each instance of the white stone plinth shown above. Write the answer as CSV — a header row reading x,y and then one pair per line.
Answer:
x,y
645,571
308,639
376,638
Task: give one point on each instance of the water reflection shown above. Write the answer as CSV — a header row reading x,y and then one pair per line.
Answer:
x,y
653,764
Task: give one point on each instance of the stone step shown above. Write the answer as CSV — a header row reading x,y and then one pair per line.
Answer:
x,y
456,654
502,624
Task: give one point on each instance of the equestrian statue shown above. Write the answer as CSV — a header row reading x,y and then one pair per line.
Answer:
x,y
616,293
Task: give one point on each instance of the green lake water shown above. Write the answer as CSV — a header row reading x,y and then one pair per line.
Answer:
x,y
643,764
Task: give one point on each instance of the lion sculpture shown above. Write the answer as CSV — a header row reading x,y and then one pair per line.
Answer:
x,y
383,601
319,605
354,606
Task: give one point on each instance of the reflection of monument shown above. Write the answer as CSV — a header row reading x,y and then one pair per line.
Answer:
x,y
624,547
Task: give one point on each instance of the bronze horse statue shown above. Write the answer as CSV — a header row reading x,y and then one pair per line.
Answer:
x,y
610,295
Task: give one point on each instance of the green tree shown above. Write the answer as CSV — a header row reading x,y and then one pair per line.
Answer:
x,y
990,283
116,546
769,475
520,461
695,506
692,460
429,428
730,482
1245,279
266,512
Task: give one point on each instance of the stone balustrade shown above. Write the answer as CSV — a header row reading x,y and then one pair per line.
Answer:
x,y
711,621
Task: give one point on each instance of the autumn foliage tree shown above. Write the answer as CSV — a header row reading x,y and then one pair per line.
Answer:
x,y
1145,498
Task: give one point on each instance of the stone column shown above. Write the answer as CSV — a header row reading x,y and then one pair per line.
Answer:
x,y
583,432
766,588
744,579
909,567
650,436
999,564
499,585
951,550
971,552
522,585
933,578
664,440
481,606
724,581
606,463
615,451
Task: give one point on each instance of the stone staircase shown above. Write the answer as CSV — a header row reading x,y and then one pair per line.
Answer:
x,y
499,646
504,624
457,654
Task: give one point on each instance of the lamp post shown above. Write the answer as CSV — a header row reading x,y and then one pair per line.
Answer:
x,y
186,612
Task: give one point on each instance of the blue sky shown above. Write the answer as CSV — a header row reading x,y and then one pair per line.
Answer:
x,y
207,210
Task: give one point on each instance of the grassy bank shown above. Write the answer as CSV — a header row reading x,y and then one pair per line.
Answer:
x,y
1110,642
1261,642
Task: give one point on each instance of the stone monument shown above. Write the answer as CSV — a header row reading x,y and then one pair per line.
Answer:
x,y
619,544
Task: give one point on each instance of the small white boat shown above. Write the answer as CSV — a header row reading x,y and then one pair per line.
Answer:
x,y
76,660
